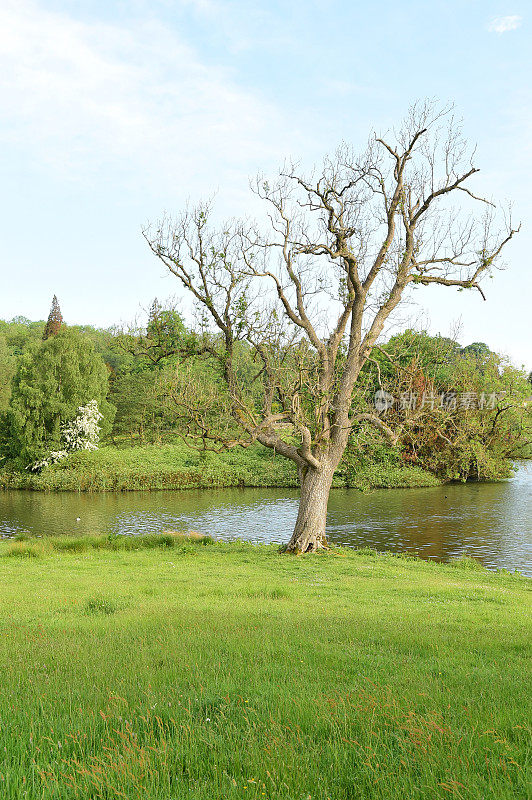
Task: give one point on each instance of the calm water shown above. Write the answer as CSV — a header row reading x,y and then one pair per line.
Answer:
x,y
492,522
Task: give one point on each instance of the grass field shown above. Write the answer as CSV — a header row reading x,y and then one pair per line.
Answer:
x,y
176,466
195,670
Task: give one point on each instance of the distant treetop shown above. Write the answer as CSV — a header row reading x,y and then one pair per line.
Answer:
x,y
55,320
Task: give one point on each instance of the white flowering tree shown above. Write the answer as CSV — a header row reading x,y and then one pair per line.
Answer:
x,y
82,433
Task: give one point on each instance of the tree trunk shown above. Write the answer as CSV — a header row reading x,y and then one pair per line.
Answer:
x,y
309,531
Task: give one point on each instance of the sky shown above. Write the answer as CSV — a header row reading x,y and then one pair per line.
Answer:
x,y
115,112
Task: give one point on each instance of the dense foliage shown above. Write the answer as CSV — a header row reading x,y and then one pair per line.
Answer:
x,y
7,370
81,434
53,378
137,377
462,412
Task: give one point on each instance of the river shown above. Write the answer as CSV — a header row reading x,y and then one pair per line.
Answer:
x,y
490,521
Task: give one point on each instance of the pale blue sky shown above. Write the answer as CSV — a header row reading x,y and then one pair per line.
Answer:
x,y
113,112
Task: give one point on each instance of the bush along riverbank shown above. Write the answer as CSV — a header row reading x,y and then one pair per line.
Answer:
x,y
176,466
167,667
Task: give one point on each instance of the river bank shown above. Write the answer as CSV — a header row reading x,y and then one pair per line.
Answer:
x,y
233,671
175,466
489,521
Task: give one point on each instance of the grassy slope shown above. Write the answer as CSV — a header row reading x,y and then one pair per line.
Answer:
x,y
232,671
175,466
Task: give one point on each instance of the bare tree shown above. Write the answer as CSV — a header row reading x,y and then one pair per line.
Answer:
x,y
307,295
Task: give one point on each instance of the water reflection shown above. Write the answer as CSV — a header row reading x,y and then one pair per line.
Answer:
x,y
492,522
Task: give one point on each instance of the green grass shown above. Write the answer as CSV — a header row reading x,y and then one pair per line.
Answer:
x,y
26,546
390,476
169,466
232,671
176,466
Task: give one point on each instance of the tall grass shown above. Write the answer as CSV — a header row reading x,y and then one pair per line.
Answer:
x,y
232,671
26,546
176,466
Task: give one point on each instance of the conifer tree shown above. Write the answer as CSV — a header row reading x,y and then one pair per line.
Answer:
x,y
55,320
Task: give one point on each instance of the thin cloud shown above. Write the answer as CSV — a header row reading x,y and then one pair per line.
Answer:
x,y
241,25
84,97
505,24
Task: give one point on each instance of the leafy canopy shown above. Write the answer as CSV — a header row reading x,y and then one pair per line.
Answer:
x,y
53,379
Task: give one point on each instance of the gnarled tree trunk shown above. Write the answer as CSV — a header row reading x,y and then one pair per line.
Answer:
x,y
309,531
363,234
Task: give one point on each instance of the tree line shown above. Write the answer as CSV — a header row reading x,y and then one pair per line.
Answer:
x,y
139,377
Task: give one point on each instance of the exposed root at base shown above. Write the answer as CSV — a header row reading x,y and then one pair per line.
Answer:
x,y
312,547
